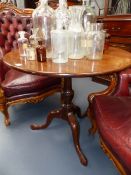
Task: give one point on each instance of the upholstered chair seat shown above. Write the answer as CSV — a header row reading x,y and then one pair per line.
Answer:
x,y
113,117
18,84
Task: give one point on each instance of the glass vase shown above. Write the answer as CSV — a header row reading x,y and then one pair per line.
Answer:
x,y
76,34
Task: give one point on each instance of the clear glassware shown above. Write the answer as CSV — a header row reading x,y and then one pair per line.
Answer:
x,y
22,44
33,38
43,22
62,14
93,31
59,36
96,44
59,40
31,52
76,34
88,15
96,26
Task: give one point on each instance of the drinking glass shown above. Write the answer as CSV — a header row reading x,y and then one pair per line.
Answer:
x,y
59,42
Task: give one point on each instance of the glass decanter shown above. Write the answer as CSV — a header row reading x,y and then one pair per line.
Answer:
x,y
88,15
62,14
43,23
76,34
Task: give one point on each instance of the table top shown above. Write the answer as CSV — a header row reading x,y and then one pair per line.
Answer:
x,y
114,59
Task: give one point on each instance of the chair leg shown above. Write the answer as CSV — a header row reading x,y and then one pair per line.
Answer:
x,y
4,108
6,116
93,128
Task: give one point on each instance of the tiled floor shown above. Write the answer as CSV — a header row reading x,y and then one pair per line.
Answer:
x,y
50,151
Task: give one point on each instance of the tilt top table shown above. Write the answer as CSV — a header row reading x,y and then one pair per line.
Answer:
x,y
114,60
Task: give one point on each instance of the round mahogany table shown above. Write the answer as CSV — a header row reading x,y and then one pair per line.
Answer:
x,y
114,60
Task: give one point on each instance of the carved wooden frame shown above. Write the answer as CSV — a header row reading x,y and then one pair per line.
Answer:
x,y
4,103
7,6
116,162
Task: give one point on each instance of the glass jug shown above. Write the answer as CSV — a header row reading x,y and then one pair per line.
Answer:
x,y
76,34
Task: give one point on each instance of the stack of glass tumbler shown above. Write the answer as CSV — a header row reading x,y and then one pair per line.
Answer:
x,y
68,32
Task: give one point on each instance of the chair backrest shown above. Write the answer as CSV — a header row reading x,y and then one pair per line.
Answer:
x,y
124,83
13,20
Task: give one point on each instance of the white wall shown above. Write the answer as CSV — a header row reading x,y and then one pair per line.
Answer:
x,y
20,3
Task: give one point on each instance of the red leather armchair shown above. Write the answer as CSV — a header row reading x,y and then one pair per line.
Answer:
x,y
113,120
15,86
